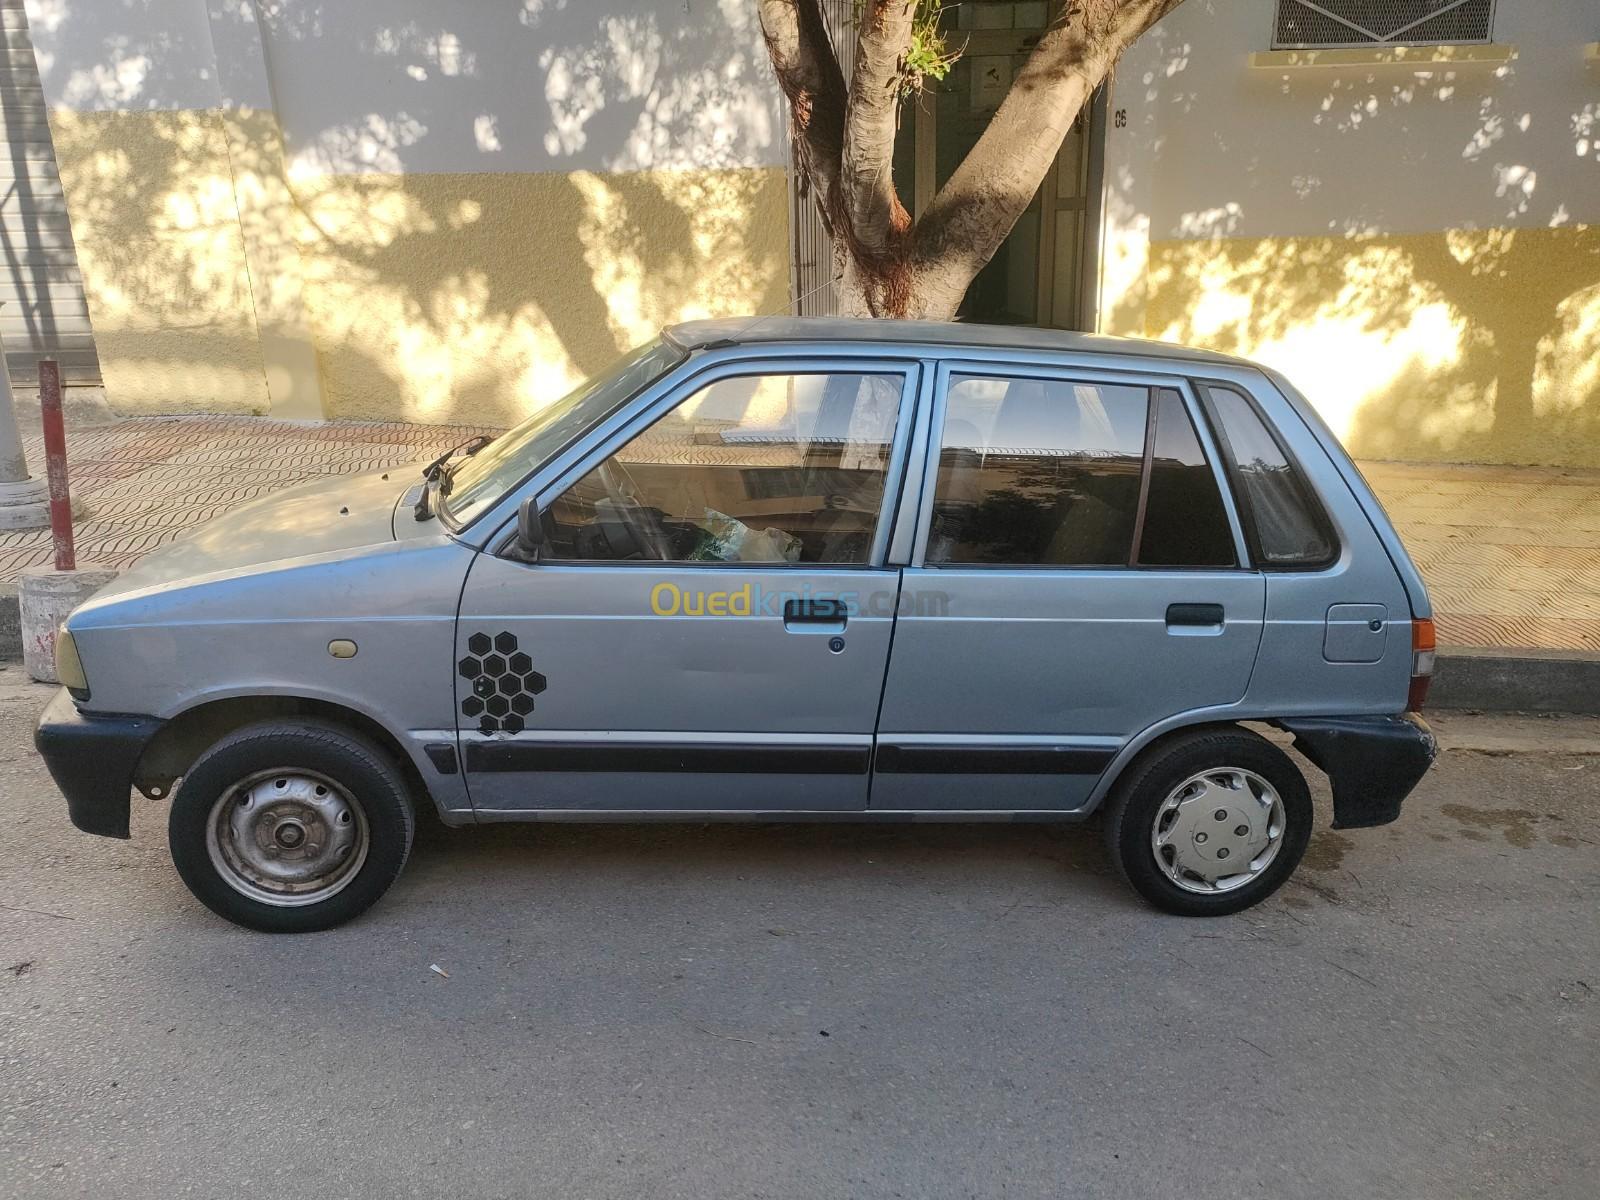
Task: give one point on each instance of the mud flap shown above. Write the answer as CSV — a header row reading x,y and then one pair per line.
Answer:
x,y
1372,763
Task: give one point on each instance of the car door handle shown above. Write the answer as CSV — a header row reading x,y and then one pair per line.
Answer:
x,y
1193,615
814,615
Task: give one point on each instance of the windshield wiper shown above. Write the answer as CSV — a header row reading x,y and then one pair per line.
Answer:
x,y
437,474
435,470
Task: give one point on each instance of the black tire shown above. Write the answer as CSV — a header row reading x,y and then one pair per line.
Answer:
x,y
364,773
1132,810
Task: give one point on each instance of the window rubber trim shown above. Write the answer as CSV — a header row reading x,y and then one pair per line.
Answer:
x,y
1152,413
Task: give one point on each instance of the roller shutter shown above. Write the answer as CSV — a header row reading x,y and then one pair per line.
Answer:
x,y
43,311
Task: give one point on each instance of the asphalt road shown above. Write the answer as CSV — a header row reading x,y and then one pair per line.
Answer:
x,y
719,1011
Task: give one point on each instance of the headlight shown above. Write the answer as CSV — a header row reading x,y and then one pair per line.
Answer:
x,y
69,667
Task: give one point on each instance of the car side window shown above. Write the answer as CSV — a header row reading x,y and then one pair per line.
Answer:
x,y
1284,523
1185,524
1038,472
786,468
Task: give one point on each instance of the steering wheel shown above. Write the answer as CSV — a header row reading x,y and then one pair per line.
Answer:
x,y
647,533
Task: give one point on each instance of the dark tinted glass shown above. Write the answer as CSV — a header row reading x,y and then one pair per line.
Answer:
x,y
1185,524
1288,527
1038,472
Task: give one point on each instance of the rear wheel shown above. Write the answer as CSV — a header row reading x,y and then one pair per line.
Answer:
x,y
1210,822
290,827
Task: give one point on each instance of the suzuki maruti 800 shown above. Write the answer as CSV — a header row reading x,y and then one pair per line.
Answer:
x,y
780,569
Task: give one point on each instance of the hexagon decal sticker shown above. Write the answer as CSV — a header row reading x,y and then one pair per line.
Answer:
x,y
501,680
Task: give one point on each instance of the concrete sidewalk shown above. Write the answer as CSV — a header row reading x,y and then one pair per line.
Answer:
x,y
1511,554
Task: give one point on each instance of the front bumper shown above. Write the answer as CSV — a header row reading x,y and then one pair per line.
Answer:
x,y
1372,763
92,757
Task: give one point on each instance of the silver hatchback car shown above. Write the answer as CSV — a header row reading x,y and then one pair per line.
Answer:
x,y
780,569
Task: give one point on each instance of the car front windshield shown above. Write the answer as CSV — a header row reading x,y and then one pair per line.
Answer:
x,y
477,483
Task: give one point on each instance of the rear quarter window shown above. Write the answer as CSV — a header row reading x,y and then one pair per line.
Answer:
x,y
1285,524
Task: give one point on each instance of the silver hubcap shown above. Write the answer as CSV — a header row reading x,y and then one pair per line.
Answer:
x,y
287,838
1218,830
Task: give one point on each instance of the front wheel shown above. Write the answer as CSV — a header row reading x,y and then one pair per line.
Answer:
x,y
290,827
1210,822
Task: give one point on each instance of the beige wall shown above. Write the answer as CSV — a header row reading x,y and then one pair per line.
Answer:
x,y
439,297
403,210
1416,243
1467,346
159,241
462,297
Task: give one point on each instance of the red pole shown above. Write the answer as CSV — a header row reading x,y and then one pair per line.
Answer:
x,y
55,462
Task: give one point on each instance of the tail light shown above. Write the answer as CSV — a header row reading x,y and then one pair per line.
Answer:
x,y
1422,655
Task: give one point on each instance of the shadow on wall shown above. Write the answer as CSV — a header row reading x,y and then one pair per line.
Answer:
x,y
158,240
483,291
1477,339
431,296
435,290
1480,346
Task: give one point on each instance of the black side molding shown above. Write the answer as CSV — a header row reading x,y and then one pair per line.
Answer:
x,y
924,759
92,758
1371,762
703,757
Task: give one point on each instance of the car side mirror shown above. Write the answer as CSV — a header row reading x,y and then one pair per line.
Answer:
x,y
530,531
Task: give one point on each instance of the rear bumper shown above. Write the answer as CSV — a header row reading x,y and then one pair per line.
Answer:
x,y
92,758
1372,763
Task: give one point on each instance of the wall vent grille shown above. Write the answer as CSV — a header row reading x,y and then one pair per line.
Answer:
x,y
1305,24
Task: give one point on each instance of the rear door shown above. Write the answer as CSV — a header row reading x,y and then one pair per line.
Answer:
x,y
709,626
1074,578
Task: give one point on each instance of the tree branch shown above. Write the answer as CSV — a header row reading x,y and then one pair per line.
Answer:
x,y
978,206
867,196
808,74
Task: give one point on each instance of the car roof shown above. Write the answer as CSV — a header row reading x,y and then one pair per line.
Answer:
x,y
696,335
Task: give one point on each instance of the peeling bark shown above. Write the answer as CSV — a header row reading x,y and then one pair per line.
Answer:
x,y
808,74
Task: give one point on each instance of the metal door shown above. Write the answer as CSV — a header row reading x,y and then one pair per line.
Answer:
x,y
688,686
1013,688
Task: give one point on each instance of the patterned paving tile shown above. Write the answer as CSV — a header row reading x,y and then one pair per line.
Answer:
x,y
139,484
1511,554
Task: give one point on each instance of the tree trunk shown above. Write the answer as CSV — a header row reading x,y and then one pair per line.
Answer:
x,y
854,289
926,290
888,265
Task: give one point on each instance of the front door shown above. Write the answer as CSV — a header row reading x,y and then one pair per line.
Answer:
x,y
708,625
1076,580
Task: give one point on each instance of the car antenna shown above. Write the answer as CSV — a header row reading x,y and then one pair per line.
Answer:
x,y
759,320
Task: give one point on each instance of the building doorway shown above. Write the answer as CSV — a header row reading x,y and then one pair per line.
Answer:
x,y
1046,271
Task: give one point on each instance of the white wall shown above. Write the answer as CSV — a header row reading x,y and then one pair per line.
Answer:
x,y
523,85
419,85
1237,151
144,55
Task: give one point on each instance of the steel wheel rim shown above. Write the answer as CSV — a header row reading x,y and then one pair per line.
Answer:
x,y
1218,830
288,838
